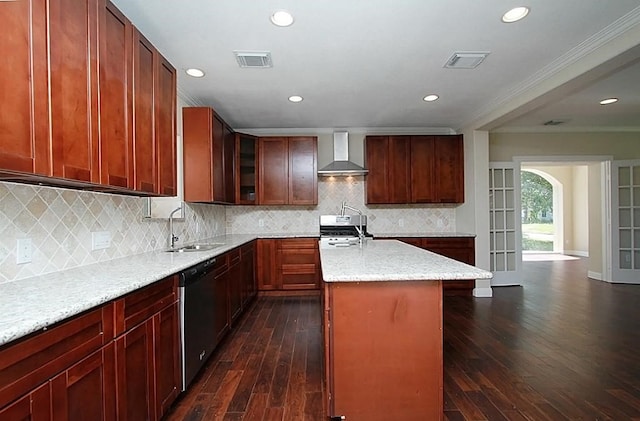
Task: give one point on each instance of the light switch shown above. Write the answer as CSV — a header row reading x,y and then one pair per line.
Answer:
x,y
100,240
24,251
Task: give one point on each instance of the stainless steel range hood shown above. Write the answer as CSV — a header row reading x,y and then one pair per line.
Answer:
x,y
341,166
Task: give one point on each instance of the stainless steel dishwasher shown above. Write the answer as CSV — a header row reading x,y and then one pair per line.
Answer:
x,y
197,317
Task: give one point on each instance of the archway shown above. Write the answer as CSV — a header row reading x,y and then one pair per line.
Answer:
x,y
535,237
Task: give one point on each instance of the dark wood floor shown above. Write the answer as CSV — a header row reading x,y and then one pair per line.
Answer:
x,y
562,347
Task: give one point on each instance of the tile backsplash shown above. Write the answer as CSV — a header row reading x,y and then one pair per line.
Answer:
x,y
382,219
59,223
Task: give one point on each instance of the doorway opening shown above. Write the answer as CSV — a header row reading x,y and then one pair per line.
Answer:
x,y
537,193
556,210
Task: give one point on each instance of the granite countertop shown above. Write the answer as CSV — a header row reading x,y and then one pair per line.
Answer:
x,y
421,235
31,304
392,260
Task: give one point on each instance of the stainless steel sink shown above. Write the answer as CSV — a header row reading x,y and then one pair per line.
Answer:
x,y
196,247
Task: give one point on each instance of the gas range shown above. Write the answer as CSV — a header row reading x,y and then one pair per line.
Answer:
x,y
341,230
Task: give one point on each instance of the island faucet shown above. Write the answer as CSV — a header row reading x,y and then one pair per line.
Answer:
x,y
359,229
172,237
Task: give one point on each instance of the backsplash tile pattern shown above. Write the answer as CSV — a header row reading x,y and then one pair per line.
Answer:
x,y
382,219
59,223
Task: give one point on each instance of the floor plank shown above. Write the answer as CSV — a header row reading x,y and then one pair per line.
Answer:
x,y
561,347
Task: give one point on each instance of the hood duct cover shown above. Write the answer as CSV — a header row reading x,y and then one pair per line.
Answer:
x,y
341,166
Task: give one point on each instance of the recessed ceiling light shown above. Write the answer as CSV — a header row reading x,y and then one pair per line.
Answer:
x,y
193,72
295,98
608,101
515,14
282,18
430,98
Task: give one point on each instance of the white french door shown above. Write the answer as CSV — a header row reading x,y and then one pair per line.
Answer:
x,y
505,230
625,221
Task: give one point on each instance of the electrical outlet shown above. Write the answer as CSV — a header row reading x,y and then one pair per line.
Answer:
x,y
401,222
100,240
261,222
24,251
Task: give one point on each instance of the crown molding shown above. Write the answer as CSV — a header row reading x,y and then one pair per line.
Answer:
x,y
359,130
596,43
188,99
567,129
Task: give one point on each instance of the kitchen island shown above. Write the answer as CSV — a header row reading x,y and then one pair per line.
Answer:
x,y
383,330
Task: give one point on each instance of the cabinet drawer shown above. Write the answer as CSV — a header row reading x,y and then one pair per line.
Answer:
x,y
448,242
234,257
297,257
221,265
34,360
298,243
138,306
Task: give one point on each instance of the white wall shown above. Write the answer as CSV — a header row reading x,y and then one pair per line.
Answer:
x,y
596,226
382,219
59,223
620,145
473,215
581,210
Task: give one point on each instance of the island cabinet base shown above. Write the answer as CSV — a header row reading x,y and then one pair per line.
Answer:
x,y
383,350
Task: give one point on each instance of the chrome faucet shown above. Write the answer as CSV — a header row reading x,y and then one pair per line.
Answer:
x,y
359,229
172,237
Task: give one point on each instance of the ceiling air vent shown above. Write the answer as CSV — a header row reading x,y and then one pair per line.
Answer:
x,y
469,60
554,122
255,59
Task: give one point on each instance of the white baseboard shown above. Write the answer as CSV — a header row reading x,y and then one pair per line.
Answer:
x,y
577,253
483,292
595,275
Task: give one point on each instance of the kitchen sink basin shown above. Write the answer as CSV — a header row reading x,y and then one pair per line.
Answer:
x,y
196,247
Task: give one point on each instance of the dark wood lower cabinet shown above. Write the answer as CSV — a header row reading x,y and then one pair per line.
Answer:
x,y
86,390
461,249
267,275
166,328
76,370
288,264
36,406
119,361
383,350
221,298
235,285
298,263
248,273
134,357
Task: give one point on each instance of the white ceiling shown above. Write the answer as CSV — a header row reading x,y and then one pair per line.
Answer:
x,y
369,63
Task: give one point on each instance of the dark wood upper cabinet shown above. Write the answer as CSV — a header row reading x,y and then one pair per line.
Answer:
x,y
228,163
415,169
89,102
389,180
288,170
165,125
437,169
422,168
143,114
449,169
377,156
399,177
24,115
116,117
246,165
209,155
273,162
303,171
73,42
